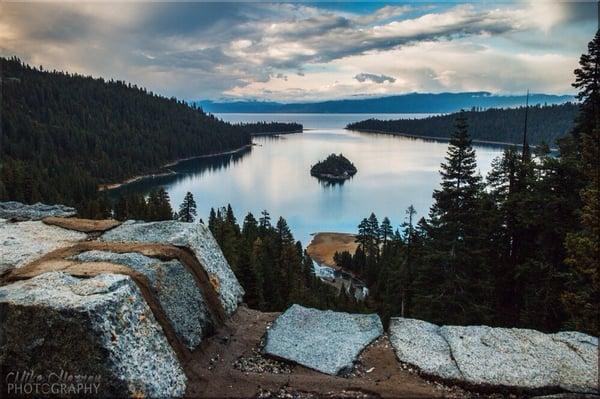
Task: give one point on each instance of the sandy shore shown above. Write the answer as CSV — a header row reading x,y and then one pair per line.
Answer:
x,y
112,186
324,245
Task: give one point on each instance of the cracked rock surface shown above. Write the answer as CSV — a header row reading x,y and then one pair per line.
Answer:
x,y
19,211
199,240
174,287
325,341
499,357
99,327
21,243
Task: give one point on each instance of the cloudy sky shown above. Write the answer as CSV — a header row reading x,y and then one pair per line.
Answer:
x,y
310,50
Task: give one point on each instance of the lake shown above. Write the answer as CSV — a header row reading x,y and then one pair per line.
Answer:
x,y
393,173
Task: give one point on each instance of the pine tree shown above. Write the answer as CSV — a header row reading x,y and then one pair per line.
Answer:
x,y
249,269
588,82
461,277
386,231
582,296
362,238
406,268
264,221
187,209
159,205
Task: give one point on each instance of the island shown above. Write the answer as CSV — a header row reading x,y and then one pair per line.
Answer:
x,y
334,168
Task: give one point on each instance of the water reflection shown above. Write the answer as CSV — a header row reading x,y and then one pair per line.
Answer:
x,y
393,173
187,170
331,183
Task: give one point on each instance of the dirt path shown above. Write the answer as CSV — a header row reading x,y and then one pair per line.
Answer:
x,y
324,245
214,369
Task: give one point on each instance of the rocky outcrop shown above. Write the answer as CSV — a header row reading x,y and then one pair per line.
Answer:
x,y
197,238
325,341
175,288
100,328
499,358
18,211
23,242
129,303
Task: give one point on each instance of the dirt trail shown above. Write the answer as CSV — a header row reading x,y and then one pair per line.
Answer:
x,y
211,372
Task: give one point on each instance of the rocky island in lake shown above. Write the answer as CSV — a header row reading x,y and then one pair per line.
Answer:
x,y
335,167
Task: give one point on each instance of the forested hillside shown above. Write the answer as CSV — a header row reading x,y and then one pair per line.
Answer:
x,y
270,264
271,128
63,134
544,124
518,249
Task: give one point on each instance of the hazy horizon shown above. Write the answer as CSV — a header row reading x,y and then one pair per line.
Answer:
x,y
307,51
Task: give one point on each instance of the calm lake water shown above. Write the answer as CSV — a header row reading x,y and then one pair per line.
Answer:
x,y
393,173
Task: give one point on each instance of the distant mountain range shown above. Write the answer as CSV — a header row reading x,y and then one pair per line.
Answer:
x,y
405,103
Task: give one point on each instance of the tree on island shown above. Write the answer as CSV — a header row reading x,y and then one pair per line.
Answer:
x,y
334,167
187,209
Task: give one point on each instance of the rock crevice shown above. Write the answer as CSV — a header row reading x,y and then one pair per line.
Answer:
x,y
140,297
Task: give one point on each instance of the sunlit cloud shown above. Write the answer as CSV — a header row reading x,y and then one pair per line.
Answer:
x,y
285,51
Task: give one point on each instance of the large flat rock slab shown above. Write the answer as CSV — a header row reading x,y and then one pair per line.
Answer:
x,y
99,327
325,341
419,343
24,242
175,288
199,240
512,358
20,211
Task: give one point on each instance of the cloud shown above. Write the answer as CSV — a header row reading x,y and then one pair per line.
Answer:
x,y
279,50
363,77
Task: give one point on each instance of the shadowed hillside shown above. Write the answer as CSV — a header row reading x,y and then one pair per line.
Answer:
x,y
544,124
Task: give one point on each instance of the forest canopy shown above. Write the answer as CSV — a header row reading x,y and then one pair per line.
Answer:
x,y
545,124
64,134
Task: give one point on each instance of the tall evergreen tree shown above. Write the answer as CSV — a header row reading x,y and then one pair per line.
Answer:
x,y
159,205
187,209
386,231
460,274
582,297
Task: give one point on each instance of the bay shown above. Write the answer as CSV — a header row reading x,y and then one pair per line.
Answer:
x,y
274,174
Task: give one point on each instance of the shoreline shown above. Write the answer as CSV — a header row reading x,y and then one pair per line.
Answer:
x,y
417,136
263,134
112,186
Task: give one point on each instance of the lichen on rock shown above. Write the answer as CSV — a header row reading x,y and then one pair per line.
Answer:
x,y
501,358
175,288
197,238
325,341
21,243
19,211
99,327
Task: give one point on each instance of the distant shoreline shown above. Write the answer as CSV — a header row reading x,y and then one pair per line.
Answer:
x,y
112,186
276,133
417,136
